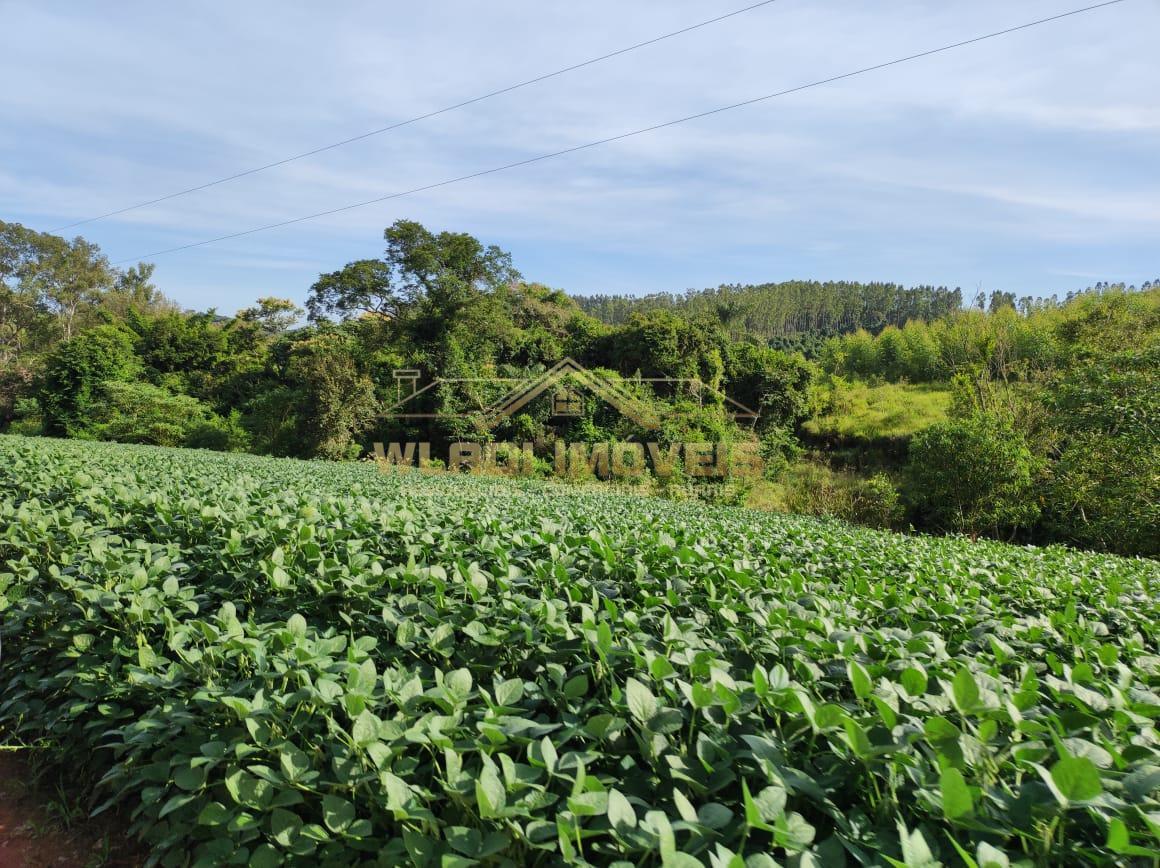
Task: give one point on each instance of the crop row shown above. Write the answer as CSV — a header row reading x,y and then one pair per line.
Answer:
x,y
267,662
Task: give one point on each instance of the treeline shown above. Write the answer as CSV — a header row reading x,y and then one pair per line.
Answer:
x,y
1054,428
118,361
797,307
1053,432
1003,342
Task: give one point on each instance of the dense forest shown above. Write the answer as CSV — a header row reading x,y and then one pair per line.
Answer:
x,y
778,310
1051,432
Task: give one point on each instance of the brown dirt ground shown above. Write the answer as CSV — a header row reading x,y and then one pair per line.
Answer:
x,y
35,834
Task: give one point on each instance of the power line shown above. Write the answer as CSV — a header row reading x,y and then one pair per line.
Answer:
x,y
627,135
422,117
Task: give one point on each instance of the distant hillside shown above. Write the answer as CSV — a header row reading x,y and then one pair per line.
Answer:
x,y
793,307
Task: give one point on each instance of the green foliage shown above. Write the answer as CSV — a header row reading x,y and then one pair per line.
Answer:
x,y
1109,319
1002,344
893,411
661,344
774,384
17,385
335,399
270,662
141,413
774,311
1104,490
272,421
779,448
74,372
362,288
812,488
200,356
219,434
877,502
27,420
272,315
973,476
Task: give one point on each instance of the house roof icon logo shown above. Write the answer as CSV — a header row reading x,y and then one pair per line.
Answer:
x,y
566,375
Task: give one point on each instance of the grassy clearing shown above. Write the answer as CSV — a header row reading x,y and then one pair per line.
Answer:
x,y
875,412
274,662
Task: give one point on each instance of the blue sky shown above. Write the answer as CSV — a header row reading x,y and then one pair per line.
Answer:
x,y
1028,163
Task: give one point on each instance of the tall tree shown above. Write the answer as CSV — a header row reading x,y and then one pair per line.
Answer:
x,y
70,276
272,315
365,287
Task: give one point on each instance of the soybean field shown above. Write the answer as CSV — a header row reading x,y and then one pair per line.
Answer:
x,y
263,662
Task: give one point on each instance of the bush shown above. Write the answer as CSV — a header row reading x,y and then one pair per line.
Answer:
x,y
973,476
812,488
779,448
16,384
1104,494
75,372
27,420
337,399
220,434
876,502
140,413
1104,490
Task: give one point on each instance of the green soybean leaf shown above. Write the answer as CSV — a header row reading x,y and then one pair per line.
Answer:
x,y
365,730
859,679
297,625
914,681
771,803
916,853
577,687
214,814
753,816
337,813
604,637
190,778
641,701
957,802
988,856
1119,839
284,827
620,812
966,690
1076,779
490,794
265,856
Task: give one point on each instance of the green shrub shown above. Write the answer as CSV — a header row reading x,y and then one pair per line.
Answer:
x,y
220,434
973,476
1104,493
1104,487
876,502
778,449
75,372
141,413
27,419
812,488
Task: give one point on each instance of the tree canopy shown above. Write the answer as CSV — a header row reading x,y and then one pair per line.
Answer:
x,y
1052,432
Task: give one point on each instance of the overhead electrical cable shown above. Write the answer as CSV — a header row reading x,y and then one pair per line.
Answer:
x,y
377,132
627,135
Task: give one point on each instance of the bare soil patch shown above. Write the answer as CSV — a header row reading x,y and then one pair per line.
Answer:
x,y
42,826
